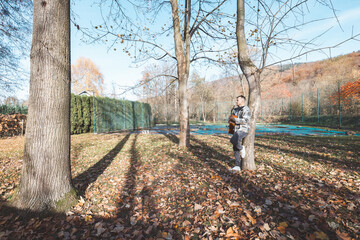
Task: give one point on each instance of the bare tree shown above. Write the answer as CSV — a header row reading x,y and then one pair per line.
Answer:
x,y
46,178
15,27
202,93
195,30
11,101
269,28
158,88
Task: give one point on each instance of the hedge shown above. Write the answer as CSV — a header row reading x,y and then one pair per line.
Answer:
x,y
7,109
110,114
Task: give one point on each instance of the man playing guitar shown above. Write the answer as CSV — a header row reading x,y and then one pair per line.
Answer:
x,y
240,119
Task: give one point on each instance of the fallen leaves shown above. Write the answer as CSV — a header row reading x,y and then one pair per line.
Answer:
x,y
151,189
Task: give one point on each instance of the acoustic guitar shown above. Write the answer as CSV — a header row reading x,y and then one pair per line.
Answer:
x,y
232,124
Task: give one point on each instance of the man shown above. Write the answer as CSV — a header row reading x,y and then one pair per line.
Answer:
x,y
242,124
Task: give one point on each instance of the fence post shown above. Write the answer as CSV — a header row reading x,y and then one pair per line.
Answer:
x,y
167,113
94,120
124,114
318,107
217,112
142,115
339,105
204,111
282,106
261,110
302,108
290,111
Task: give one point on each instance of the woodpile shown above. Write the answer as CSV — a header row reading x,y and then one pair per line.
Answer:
x,y
11,125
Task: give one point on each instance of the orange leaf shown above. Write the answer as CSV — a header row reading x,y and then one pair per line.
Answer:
x,y
342,235
88,218
229,231
281,229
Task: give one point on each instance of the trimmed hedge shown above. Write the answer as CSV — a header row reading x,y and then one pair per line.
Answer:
x,y
110,114
7,110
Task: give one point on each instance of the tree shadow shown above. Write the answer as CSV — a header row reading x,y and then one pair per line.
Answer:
x,y
89,176
224,137
128,225
256,194
308,142
126,198
146,225
314,157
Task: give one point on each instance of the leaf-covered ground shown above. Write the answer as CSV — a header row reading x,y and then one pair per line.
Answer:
x,y
141,186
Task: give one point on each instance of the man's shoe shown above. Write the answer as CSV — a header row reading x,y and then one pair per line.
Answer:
x,y
242,152
236,168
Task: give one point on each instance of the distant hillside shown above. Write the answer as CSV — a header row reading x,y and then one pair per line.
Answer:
x,y
305,77
292,80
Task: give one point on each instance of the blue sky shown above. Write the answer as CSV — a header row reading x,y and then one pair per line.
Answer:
x,y
117,66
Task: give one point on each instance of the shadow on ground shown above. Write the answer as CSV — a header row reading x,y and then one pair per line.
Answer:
x,y
142,214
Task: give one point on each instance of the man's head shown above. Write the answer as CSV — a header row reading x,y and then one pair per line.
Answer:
x,y
240,100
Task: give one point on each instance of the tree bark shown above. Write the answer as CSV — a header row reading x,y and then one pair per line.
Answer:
x,y
46,176
253,77
183,75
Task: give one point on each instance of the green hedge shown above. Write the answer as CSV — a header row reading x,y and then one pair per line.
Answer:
x,y
110,114
6,109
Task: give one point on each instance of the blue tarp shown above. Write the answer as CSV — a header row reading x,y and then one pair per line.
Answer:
x,y
260,130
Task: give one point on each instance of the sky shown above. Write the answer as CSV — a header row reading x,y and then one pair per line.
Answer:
x,y
119,72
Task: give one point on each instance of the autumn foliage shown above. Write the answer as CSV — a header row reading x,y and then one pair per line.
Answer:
x,y
350,90
142,186
85,75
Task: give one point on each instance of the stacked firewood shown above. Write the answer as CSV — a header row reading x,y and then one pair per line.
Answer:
x,y
11,125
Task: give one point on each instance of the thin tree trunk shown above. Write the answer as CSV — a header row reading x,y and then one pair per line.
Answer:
x,y
46,175
253,77
187,67
175,105
184,114
182,69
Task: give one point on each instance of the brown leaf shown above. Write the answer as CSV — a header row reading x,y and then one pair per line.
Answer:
x,y
186,223
247,212
281,229
197,207
321,235
342,235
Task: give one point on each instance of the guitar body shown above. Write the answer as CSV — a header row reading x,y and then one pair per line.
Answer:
x,y
232,126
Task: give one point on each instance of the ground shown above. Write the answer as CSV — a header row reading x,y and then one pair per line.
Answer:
x,y
142,186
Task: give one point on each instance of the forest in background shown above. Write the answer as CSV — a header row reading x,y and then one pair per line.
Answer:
x,y
211,101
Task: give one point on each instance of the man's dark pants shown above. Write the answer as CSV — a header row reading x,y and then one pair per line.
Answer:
x,y
236,141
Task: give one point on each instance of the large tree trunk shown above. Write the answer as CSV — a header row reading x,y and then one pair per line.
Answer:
x,y
254,105
46,178
253,77
183,75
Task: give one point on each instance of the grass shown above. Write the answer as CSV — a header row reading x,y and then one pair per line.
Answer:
x,y
137,186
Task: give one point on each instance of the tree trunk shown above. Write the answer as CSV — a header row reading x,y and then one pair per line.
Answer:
x,y
182,70
175,106
46,177
253,77
184,114
254,105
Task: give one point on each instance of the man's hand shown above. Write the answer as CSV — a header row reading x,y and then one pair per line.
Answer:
x,y
232,119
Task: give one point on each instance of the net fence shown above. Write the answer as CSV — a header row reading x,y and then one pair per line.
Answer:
x,y
331,107
334,105
114,115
